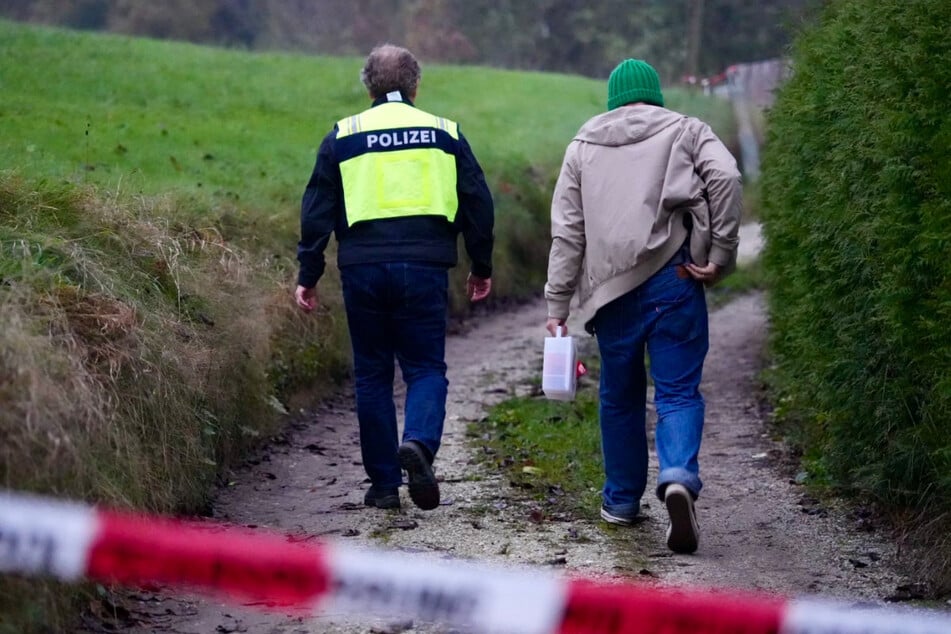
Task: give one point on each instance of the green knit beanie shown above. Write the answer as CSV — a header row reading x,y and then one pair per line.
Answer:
x,y
634,80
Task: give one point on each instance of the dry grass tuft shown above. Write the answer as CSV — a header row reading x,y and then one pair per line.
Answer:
x,y
929,542
140,355
49,401
103,329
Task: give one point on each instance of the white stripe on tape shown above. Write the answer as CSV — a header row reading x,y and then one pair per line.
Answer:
x,y
819,617
39,537
457,593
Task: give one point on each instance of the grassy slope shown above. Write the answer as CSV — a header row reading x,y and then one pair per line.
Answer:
x,y
162,116
152,117
155,116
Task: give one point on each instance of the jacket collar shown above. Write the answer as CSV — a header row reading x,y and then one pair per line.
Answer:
x,y
385,99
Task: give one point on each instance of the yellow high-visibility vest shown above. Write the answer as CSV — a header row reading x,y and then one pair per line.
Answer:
x,y
397,161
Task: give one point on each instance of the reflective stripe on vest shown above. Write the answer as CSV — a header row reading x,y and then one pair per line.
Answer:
x,y
397,161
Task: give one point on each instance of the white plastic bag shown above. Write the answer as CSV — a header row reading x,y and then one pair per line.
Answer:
x,y
559,367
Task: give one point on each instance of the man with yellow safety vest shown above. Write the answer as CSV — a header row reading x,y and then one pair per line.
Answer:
x,y
396,185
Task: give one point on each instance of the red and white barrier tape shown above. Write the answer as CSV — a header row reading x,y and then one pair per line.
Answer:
x,y
71,542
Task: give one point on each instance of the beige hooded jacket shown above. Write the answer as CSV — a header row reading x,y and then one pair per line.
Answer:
x,y
629,178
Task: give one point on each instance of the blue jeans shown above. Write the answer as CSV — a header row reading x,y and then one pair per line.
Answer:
x,y
668,315
397,310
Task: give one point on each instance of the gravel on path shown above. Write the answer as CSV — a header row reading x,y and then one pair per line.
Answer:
x,y
760,529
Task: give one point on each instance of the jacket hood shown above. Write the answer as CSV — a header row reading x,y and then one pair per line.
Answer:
x,y
627,124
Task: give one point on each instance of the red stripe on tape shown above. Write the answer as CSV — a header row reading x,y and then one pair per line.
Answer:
x,y
605,609
46,537
258,567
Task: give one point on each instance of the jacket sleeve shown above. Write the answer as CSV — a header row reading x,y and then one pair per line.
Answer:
x,y
724,189
476,215
567,237
323,199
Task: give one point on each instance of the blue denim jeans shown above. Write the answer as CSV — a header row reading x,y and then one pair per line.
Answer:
x,y
667,314
397,311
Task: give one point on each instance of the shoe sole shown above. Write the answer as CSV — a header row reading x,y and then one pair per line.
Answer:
x,y
423,488
682,533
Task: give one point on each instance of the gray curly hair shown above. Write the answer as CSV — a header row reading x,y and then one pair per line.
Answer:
x,y
390,68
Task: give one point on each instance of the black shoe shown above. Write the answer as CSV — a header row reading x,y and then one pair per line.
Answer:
x,y
423,489
382,498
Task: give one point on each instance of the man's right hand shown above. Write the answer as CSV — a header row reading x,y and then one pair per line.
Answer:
x,y
306,298
709,274
478,288
553,324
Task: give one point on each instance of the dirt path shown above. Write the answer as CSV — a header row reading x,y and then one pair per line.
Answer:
x,y
759,530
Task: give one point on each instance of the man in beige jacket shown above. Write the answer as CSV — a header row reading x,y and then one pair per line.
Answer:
x,y
644,214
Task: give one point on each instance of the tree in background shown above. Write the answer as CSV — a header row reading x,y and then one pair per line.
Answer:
x,y
172,19
694,35
575,37
433,32
678,37
739,31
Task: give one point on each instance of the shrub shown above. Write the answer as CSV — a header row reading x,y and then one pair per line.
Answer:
x,y
857,211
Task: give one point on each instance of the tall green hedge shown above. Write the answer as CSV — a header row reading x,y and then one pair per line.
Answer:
x,y
857,213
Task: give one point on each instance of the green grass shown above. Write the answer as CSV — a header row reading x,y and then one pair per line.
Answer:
x,y
241,129
153,117
247,125
549,449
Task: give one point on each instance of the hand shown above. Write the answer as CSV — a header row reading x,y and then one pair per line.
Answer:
x,y
306,298
553,324
478,288
708,274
